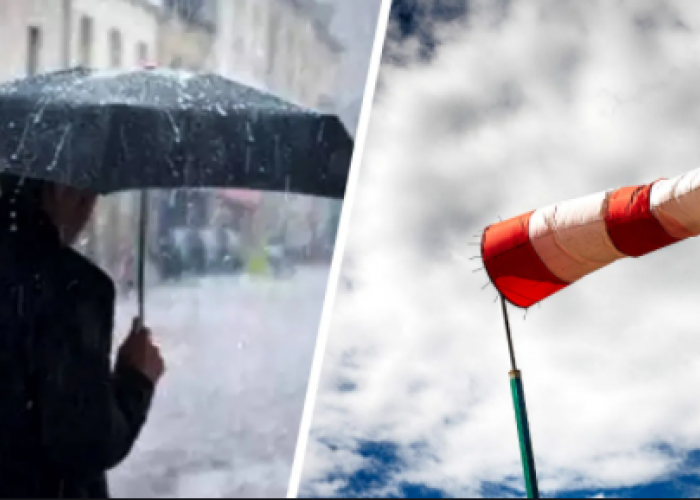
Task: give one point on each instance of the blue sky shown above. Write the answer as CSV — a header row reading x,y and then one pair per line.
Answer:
x,y
385,461
490,109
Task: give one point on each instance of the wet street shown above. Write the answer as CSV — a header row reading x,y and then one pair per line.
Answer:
x,y
226,417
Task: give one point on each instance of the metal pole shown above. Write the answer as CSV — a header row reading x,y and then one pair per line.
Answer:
x,y
141,250
511,350
516,385
141,255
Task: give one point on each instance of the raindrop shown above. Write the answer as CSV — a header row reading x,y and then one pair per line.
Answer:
x,y
59,148
175,128
247,160
249,132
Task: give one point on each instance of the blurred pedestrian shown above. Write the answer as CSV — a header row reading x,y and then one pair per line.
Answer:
x,y
169,257
66,417
127,271
196,252
223,250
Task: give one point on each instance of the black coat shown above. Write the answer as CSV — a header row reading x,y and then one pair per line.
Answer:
x,y
66,417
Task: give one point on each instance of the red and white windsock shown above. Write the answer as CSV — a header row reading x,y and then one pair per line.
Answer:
x,y
532,256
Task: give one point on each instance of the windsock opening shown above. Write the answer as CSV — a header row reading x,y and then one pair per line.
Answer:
x,y
513,266
535,255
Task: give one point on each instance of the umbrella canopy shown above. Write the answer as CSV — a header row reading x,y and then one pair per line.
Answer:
x,y
535,255
110,131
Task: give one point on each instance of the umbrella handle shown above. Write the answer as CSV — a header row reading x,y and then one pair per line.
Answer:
x,y
141,255
526,453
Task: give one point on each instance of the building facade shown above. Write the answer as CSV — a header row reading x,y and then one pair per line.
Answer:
x,y
115,34
279,45
187,35
31,37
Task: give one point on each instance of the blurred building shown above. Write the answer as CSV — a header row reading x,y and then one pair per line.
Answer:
x,y
281,45
188,34
112,33
46,35
31,34
284,46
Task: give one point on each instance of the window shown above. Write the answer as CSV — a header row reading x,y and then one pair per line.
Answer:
x,y
87,35
115,48
142,54
34,43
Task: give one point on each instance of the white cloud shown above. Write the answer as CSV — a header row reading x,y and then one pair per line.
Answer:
x,y
560,99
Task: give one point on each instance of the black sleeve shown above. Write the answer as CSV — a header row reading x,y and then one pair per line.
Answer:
x,y
90,416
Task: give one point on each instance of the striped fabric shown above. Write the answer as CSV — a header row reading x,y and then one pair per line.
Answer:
x,y
532,256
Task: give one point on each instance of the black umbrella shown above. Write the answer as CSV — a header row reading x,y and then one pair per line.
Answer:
x,y
109,131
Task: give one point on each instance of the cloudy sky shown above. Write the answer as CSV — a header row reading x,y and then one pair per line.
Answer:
x,y
488,110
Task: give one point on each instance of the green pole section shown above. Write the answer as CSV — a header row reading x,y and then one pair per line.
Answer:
x,y
526,453
516,387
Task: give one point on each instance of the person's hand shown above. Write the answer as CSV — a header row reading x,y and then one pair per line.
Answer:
x,y
141,353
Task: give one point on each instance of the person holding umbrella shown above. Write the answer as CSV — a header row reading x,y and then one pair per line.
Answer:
x,y
65,416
